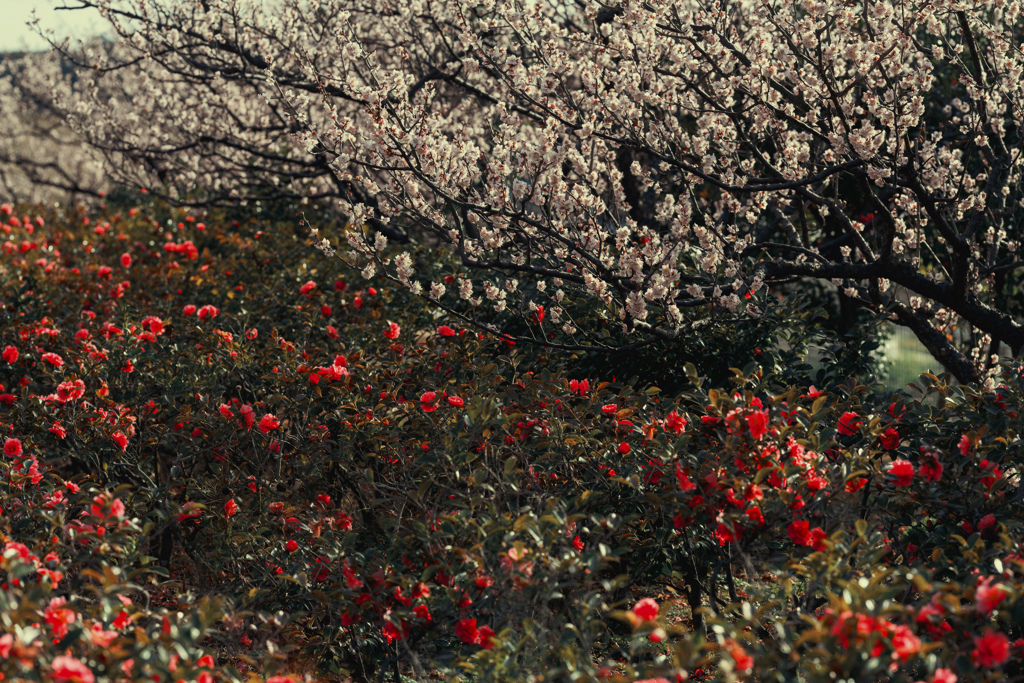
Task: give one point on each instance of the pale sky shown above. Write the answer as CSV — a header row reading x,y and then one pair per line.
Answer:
x,y
15,35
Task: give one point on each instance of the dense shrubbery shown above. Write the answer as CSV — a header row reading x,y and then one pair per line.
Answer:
x,y
224,459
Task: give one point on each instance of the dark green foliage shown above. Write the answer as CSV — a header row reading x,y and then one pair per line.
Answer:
x,y
351,503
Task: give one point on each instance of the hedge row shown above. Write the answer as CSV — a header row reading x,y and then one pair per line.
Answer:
x,y
227,460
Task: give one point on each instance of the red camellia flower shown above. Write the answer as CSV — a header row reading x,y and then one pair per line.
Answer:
x,y
725,534
59,617
22,549
189,309
126,260
231,508
392,331
291,546
994,473
57,429
466,630
890,439
757,423
427,402
931,468
744,662
10,354
674,423
905,643
12,448
800,532
754,514
69,670
456,402
53,359
445,331
849,423
269,423
987,597
153,324
991,649
342,521
122,620
580,387
308,287
120,439
646,609
323,500
484,636
903,470
856,484
190,513
99,507
392,632
685,483
609,409
208,311
818,538
624,448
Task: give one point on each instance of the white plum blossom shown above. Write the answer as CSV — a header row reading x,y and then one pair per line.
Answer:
x,y
663,159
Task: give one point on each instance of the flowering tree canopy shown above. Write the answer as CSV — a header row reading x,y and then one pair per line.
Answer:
x,y
672,159
39,156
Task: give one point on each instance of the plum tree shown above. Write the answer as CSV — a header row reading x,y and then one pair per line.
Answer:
x,y
672,161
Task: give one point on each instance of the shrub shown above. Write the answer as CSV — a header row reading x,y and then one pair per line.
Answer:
x,y
302,473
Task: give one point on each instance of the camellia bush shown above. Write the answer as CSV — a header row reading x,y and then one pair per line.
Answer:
x,y
226,460
671,163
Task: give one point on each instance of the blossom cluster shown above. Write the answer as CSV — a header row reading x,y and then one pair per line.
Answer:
x,y
739,149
